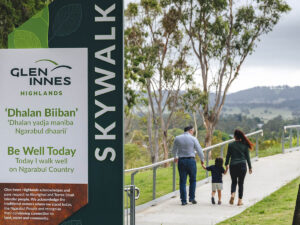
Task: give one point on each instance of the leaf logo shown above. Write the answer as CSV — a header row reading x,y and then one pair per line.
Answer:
x,y
55,63
33,33
62,66
67,21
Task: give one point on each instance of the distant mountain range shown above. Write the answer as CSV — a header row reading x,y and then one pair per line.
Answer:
x,y
271,101
277,97
262,102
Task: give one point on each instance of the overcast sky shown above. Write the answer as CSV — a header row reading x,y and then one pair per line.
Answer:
x,y
276,60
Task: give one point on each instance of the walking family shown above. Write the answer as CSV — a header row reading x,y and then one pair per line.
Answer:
x,y
237,156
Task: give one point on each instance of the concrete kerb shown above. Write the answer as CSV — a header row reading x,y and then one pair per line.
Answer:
x,y
292,149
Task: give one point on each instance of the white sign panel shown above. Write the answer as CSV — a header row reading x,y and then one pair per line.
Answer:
x,y
43,116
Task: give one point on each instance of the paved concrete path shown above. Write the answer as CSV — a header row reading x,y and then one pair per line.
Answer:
x,y
269,174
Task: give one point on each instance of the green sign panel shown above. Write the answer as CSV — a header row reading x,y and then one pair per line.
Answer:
x,y
61,116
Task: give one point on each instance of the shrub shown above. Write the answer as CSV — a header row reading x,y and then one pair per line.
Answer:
x,y
136,156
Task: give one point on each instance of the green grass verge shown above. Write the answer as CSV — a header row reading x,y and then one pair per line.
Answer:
x,y
277,149
276,209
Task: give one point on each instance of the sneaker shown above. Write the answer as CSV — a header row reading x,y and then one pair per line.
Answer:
x,y
183,203
219,202
193,201
213,200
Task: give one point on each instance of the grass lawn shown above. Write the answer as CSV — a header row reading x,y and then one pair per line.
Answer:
x,y
276,209
277,149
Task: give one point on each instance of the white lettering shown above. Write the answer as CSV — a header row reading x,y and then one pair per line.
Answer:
x,y
112,36
100,81
104,155
105,135
104,109
107,58
104,14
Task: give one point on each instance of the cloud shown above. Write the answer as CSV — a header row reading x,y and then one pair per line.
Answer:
x,y
281,47
277,56
263,76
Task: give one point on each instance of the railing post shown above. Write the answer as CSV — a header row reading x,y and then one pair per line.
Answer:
x,y
291,138
297,137
282,142
222,150
207,162
132,205
256,146
127,207
174,176
132,177
154,183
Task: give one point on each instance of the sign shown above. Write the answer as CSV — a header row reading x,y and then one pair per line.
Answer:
x,y
61,116
44,134
296,218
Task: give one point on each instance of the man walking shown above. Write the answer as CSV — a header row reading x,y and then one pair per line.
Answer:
x,y
184,153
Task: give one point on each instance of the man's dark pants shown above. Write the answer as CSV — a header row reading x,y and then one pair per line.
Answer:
x,y
187,166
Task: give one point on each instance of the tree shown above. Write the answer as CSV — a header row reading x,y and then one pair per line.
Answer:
x,y
14,13
192,100
135,156
132,98
180,119
222,34
155,56
273,128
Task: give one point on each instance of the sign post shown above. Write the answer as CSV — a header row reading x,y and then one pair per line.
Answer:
x,y
296,219
61,124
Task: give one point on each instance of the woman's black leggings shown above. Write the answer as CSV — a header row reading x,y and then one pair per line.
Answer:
x,y
238,173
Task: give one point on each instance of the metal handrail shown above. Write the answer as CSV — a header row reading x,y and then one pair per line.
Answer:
x,y
205,149
150,166
127,189
133,193
291,127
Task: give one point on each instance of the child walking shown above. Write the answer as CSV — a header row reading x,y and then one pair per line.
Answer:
x,y
217,171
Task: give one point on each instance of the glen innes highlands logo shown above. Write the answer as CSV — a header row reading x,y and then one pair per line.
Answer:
x,y
53,76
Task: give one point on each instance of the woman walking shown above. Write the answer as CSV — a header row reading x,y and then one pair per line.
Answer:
x,y
237,156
